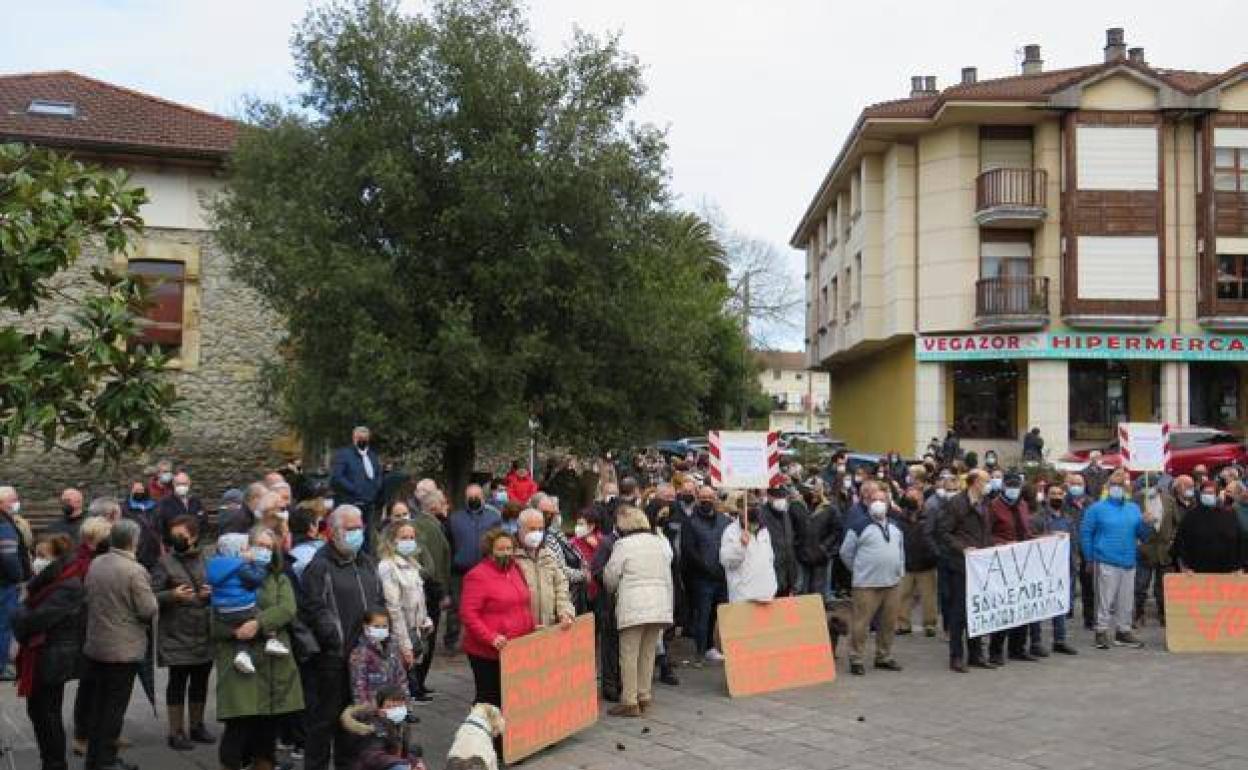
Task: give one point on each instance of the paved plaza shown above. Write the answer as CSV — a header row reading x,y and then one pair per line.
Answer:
x,y
1103,709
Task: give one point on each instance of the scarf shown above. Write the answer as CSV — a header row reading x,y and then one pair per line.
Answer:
x,y
28,654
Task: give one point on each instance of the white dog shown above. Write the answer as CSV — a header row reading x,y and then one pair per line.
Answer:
x,y
473,747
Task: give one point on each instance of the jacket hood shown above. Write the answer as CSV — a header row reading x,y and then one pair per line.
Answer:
x,y
357,720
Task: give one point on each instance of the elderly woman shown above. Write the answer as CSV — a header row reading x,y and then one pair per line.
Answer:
x,y
639,574
548,587
399,567
574,568
92,541
182,643
248,703
495,609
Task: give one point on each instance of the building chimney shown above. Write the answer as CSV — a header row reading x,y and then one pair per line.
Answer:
x,y
929,84
916,86
1136,56
1032,63
969,75
1115,44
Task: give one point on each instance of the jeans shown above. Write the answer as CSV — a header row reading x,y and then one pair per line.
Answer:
x,y
8,605
1115,598
111,686
325,733
1146,573
44,709
708,594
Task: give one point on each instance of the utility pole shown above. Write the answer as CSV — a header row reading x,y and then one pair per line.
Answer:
x,y
745,355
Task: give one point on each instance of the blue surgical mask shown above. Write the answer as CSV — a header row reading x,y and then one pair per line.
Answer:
x,y
1076,490
1012,493
1209,501
354,539
995,484
261,555
406,547
1117,493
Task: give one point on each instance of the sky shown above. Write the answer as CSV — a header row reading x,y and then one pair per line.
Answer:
x,y
757,95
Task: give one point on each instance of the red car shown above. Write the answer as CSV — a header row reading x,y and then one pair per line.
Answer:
x,y
1189,446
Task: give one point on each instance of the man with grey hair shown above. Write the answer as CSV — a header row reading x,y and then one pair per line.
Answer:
x,y
120,605
105,507
71,514
356,473
14,571
246,517
339,586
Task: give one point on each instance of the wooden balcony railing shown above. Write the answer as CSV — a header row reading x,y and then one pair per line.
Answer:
x,y
1021,296
1012,188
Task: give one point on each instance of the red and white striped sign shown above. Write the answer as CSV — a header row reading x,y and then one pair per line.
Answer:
x,y
1144,446
745,459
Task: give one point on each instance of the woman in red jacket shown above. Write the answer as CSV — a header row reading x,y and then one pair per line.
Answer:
x,y
494,609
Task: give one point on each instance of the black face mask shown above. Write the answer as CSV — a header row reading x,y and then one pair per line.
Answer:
x,y
474,503
361,445
181,544
706,509
687,499
139,496
68,510
1055,503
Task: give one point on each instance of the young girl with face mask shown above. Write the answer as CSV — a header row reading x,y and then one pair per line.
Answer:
x,y
375,662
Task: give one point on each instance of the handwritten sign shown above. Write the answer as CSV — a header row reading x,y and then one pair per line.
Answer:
x,y
1144,446
550,687
744,459
1207,613
775,646
1012,585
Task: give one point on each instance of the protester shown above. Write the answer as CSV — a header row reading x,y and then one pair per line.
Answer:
x,y
496,609
180,503
465,528
575,570
1209,540
875,551
700,551
242,520
93,536
818,537
1110,533
235,574
120,604
746,553
431,536
14,571
375,661
1155,557
548,588
639,575
776,515
1053,519
1009,515
182,590
383,732
519,486
304,528
160,484
50,627
964,527
71,515
338,587
356,475
919,582
252,706
399,568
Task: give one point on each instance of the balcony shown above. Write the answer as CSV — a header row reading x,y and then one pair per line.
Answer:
x,y
1011,197
1020,303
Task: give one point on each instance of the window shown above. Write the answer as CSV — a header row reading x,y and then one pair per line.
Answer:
x,y
849,290
834,297
858,277
1098,399
1232,276
1116,157
52,109
1118,267
1230,169
775,374
162,321
985,399
1214,391
1005,254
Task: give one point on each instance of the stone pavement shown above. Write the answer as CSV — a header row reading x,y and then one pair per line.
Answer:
x,y
1109,710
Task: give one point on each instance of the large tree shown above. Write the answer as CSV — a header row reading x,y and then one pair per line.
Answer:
x,y
68,378
463,234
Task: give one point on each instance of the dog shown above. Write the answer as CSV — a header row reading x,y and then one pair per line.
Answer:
x,y
838,614
473,747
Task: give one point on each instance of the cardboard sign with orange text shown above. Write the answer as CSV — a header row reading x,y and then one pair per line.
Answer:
x,y
775,646
1207,613
550,687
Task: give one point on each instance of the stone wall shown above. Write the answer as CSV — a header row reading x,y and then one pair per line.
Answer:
x,y
225,436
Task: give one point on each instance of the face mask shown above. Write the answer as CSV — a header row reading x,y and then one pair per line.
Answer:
x,y
474,503
706,509
354,539
1208,501
1055,503
361,445
532,540
878,509
686,499
1012,493
503,562
406,547
261,555
582,530
1076,490
1189,494
397,714
328,502
1116,493
848,483
67,509
182,490
139,496
15,507
181,544
500,498
377,633
780,504
995,484
39,564
165,478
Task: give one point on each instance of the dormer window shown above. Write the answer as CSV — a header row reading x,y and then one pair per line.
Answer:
x,y
52,109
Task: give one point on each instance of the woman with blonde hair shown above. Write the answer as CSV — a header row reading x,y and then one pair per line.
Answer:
x,y
401,565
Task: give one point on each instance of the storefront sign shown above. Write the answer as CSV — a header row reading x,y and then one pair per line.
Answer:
x,y
1108,345
1207,613
1011,585
550,687
775,646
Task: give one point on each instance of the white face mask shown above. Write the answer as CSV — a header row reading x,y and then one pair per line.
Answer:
x,y
532,540
182,490
377,633
582,530
15,507
781,504
39,564
396,714
328,502
878,510
556,523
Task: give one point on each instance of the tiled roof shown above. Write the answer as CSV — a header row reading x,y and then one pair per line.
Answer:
x,y
788,360
110,117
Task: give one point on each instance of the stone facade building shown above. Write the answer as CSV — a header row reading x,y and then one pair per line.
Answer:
x,y
218,333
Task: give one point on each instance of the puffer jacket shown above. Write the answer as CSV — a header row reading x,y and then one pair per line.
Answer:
x,y
494,602
750,569
548,587
640,575
1110,532
876,554
120,605
373,666
182,633
404,592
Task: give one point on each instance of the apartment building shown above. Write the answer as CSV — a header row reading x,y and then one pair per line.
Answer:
x,y
1062,249
799,396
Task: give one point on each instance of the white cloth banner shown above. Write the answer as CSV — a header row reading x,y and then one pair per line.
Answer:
x,y
1012,585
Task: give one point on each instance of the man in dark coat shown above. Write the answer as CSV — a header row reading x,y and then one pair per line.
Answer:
x,y
700,541
776,517
180,503
141,509
1011,520
356,473
71,515
817,536
964,526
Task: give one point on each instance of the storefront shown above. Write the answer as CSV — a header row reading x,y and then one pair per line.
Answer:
x,y
1078,386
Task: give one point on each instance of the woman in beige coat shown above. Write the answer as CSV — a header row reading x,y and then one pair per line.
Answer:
x,y
639,573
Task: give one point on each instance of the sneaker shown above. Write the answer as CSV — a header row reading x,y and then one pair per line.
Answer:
x,y
1102,640
243,664
1127,639
714,656
274,647
888,665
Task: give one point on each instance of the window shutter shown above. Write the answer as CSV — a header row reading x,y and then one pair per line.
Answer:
x,y
1230,137
1116,157
1118,267
1004,153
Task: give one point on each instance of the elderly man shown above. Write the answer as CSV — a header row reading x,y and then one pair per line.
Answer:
x,y
160,485
1155,554
356,473
71,515
700,544
14,571
242,520
106,508
427,519
120,605
875,552
180,503
465,528
1110,535
549,600
964,526
1078,499
339,586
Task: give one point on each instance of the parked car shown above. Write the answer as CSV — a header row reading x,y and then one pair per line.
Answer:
x,y
1189,446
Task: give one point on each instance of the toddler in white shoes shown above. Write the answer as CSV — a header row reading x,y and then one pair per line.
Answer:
x,y
235,574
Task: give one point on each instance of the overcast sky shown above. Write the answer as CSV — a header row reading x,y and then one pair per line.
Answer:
x,y
758,95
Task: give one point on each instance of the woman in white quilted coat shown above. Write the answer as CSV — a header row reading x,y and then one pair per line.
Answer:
x,y
399,566
639,573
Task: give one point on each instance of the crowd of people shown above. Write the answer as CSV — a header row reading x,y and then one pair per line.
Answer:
x,y
319,605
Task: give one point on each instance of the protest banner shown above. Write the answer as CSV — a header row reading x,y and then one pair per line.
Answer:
x,y
550,687
1011,585
779,645
1144,446
1207,613
744,459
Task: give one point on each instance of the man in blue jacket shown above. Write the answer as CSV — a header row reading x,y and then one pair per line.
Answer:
x,y
465,528
356,473
1111,532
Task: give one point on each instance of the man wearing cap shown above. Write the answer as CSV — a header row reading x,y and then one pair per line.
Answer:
x,y
1010,517
356,473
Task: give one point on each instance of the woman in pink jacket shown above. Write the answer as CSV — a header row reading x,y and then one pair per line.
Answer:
x,y
494,609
